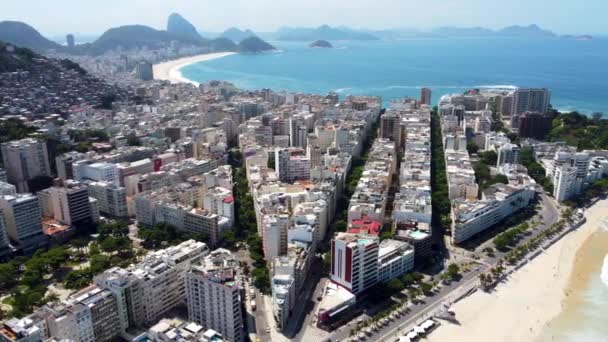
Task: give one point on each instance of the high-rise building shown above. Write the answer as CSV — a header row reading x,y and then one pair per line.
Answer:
x,y
148,290
507,154
111,199
70,204
25,159
70,40
425,96
354,261
214,296
274,237
64,163
533,124
103,309
106,172
292,164
144,71
390,127
531,100
23,218
565,183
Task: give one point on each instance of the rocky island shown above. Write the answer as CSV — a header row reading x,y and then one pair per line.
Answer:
x,y
321,44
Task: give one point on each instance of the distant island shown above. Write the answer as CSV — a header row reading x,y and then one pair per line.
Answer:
x,y
581,37
237,35
254,45
321,44
324,32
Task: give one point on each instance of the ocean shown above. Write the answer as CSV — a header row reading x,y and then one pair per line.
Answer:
x,y
574,70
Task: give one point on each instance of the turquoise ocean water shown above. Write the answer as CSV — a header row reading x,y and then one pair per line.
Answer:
x,y
575,71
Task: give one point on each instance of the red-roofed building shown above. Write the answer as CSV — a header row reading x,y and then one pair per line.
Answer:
x,y
365,226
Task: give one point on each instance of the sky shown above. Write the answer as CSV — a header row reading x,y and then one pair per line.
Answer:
x,y
58,17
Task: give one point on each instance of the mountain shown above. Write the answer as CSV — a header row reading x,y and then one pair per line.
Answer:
x,y
180,27
237,35
222,44
530,31
515,31
451,31
321,44
135,36
23,35
324,32
13,58
254,45
76,87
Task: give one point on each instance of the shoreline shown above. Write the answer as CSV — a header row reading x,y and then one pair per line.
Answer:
x,y
171,70
522,308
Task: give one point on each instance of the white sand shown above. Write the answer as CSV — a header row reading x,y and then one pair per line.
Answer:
x,y
170,71
519,309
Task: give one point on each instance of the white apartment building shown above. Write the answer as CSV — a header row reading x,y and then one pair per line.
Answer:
x,y
89,315
569,171
497,203
105,172
394,259
274,237
565,183
146,291
531,100
214,296
507,154
23,218
7,189
354,261
111,199
220,201
25,159
288,275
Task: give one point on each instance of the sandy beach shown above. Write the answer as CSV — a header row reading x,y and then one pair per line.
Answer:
x,y
520,309
170,71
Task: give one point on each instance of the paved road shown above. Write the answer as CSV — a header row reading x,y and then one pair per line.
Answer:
x,y
446,294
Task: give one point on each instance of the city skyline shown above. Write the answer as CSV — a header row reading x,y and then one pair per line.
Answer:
x,y
208,16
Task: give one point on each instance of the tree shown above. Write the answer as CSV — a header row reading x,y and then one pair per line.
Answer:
x,y
488,157
341,226
94,249
395,285
453,271
8,276
472,147
408,279
426,288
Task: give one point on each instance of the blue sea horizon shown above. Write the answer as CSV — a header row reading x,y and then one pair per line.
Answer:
x,y
574,70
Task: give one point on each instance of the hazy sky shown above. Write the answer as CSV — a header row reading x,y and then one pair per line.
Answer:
x,y
53,17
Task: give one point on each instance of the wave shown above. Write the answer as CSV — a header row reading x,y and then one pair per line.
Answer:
x,y
392,87
497,86
342,90
604,274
